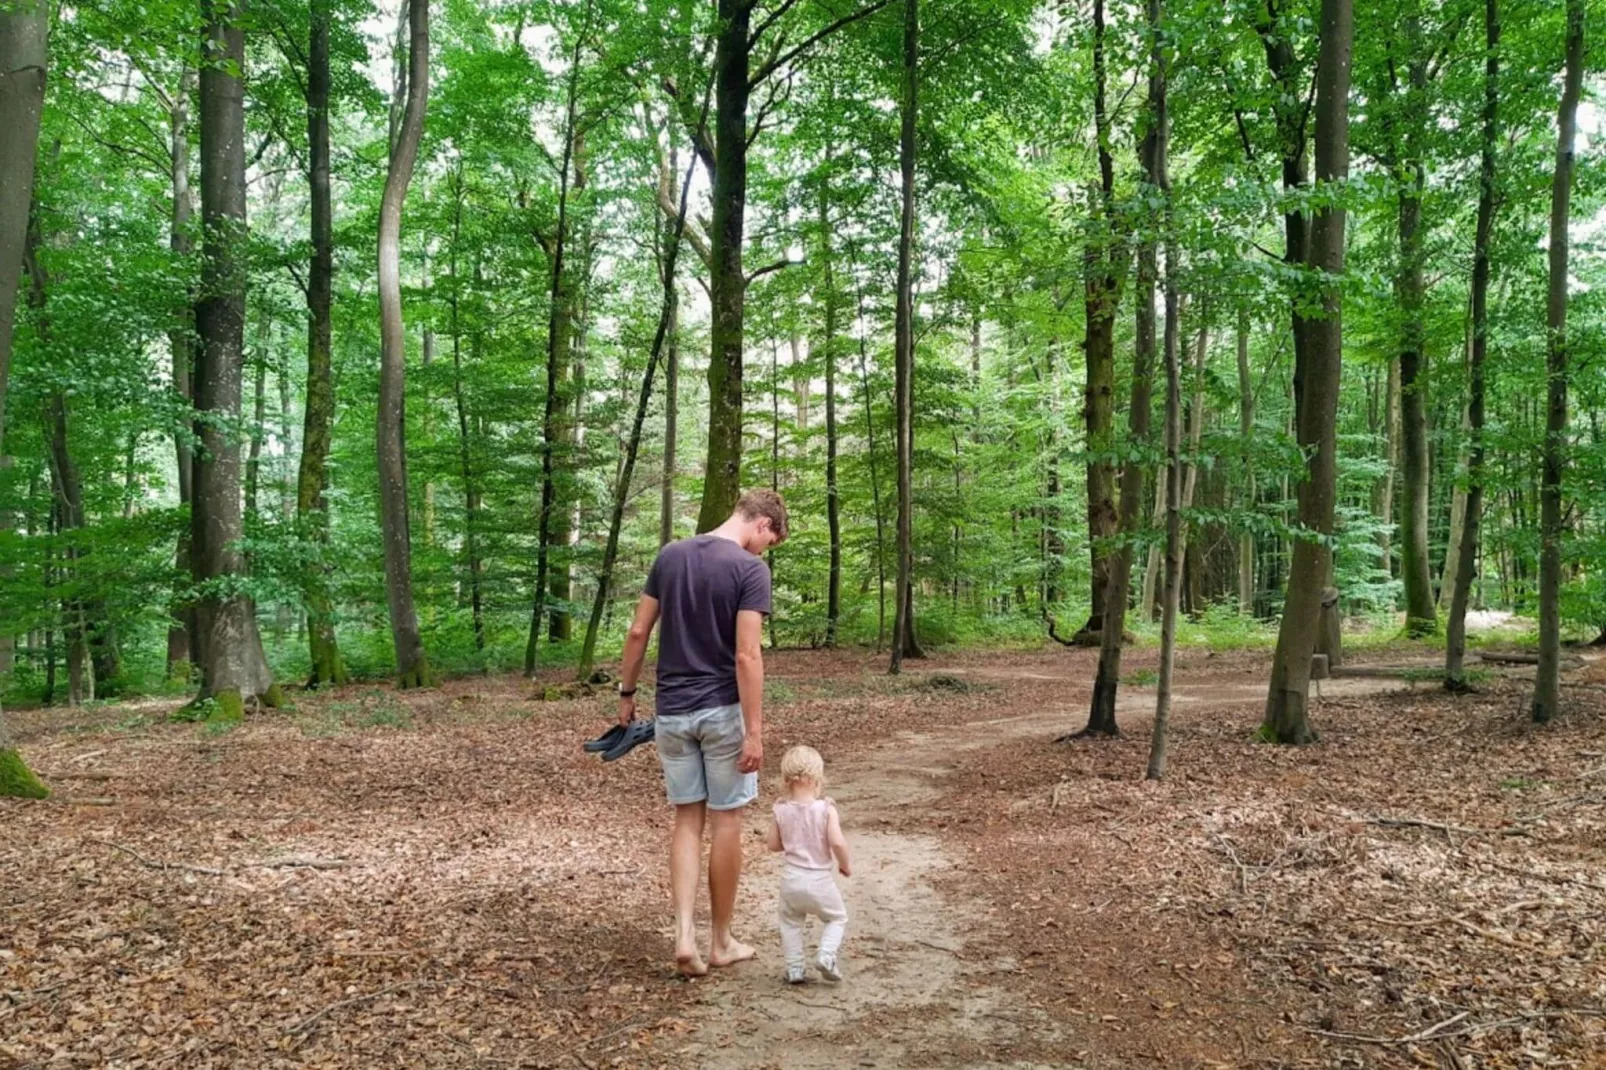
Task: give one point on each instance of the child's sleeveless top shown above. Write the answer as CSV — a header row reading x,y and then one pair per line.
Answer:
x,y
805,841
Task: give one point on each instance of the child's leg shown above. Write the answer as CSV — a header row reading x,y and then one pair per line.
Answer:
x,y
792,915
834,913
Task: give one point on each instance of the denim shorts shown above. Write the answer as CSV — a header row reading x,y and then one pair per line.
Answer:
x,y
699,753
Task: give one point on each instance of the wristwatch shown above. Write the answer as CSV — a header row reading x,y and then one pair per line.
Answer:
x,y
624,693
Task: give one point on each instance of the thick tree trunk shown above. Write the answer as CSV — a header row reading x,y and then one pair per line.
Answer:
x,y
1547,684
722,475
1246,437
1101,712
1467,550
903,631
412,665
1102,297
1316,379
560,327
234,668
312,483
1421,613
828,353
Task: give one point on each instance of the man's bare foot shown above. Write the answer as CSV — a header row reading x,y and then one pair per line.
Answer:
x,y
730,953
690,963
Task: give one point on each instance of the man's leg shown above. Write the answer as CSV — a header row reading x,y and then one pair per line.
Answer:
x,y
724,876
685,862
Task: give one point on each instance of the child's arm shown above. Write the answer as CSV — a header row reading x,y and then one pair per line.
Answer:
x,y
772,836
838,842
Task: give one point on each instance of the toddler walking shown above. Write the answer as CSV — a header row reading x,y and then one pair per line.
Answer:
x,y
808,830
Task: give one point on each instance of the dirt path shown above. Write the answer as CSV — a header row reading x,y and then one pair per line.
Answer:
x,y
921,985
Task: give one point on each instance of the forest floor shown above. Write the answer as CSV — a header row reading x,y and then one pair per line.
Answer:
x,y
443,879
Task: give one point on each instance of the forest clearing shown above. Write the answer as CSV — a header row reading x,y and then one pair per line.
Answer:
x,y
441,878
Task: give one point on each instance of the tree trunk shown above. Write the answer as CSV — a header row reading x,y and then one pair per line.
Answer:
x,y
1316,379
471,492
1467,550
1421,613
234,668
1385,498
666,504
412,665
1246,437
24,26
559,328
903,641
312,483
722,476
621,495
1547,684
875,478
1102,297
1175,493
1101,713
253,454
181,340
828,353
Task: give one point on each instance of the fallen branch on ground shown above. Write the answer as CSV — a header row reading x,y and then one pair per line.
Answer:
x,y
1434,1032
142,860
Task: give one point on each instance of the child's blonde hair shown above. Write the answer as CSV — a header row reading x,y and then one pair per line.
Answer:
x,y
803,763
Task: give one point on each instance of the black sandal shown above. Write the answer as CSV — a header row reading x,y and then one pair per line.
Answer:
x,y
635,734
604,741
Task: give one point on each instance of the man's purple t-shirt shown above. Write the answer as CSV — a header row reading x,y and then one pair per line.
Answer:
x,y
701,584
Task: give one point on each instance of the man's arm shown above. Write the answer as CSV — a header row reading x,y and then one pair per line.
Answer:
x,y
750,685
635,655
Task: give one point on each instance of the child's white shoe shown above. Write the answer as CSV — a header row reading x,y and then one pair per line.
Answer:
x,y
828,970
795,975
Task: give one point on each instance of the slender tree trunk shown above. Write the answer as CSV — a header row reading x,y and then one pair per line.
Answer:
x,y
24,25
1316,379
1547,682
875,478
666,505
312,482
1178,484
412,664
234,667
259,413
559,328
1467,550
181,341
828,353
1102,297
621,495
722,476
1393,434
1246,436
903,641
471,493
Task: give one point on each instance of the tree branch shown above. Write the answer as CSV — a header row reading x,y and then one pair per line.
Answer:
x,y
770,20
792,53
770,268
702,141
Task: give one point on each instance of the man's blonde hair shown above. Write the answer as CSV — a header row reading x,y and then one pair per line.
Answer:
x,y
803,763
763,502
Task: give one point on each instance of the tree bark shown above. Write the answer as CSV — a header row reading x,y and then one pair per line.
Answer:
x,y
1316,379
181,340
1246,437
621,495
1547,683
1421,613
875,477
1467,549
234,667
312,482
1178,485
1102,298
903,641
828,353
722,477
560,326
412,664
1101,720
471,492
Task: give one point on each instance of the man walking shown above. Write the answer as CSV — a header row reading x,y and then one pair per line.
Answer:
x,y
712,593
